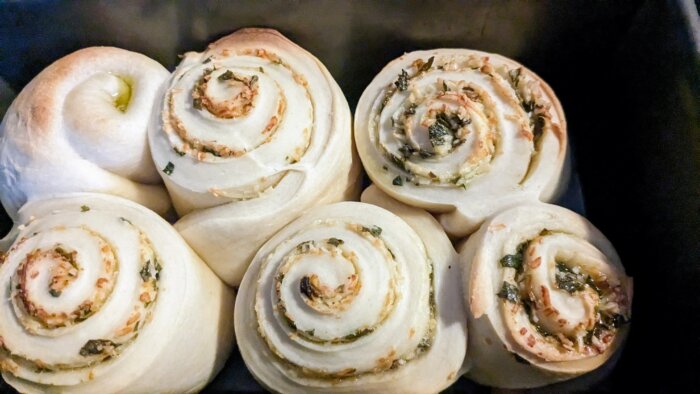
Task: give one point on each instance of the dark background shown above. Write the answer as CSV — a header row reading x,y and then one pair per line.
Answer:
x,y
627,74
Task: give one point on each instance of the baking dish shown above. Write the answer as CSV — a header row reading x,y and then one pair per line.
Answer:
x,y
627,73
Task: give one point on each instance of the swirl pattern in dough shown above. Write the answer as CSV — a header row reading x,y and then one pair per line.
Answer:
x,y
461,133
253,130
102,295
548,297
351,297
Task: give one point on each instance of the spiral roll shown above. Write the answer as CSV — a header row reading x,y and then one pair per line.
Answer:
x,y
549,299
351,298
253,130
102,295
81,126
461,133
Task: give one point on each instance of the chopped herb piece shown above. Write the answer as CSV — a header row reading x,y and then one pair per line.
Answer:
x,y
310,332
179,152
591,283
211,151
528,106
509,292
437,133
146,271
290,322
169,168
84,208
207,60
402,82
304,246
397,161
261,70
228,74
512,261
472,94
335,241
97,346
55,293
427,65
397,181
445,87
357,334
568,280
125,220
158,268
425,154
424,344
385,168
66,255
538,129
306,288
386,99
375,230
528,310
197,103
605,323
411,110
406,150
454,122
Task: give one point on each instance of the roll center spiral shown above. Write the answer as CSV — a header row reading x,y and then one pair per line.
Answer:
x,y
442,130
326,292
564,300
53,271
225,94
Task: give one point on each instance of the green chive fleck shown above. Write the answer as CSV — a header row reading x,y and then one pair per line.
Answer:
x,y
226,75
97,346
335,241
168,170
512,261
427,65
402,82
374,230
509,292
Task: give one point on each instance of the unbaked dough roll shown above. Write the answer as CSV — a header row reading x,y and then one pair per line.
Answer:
x,y
461,133
548,297
102,295
353,298
80,126
251,133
